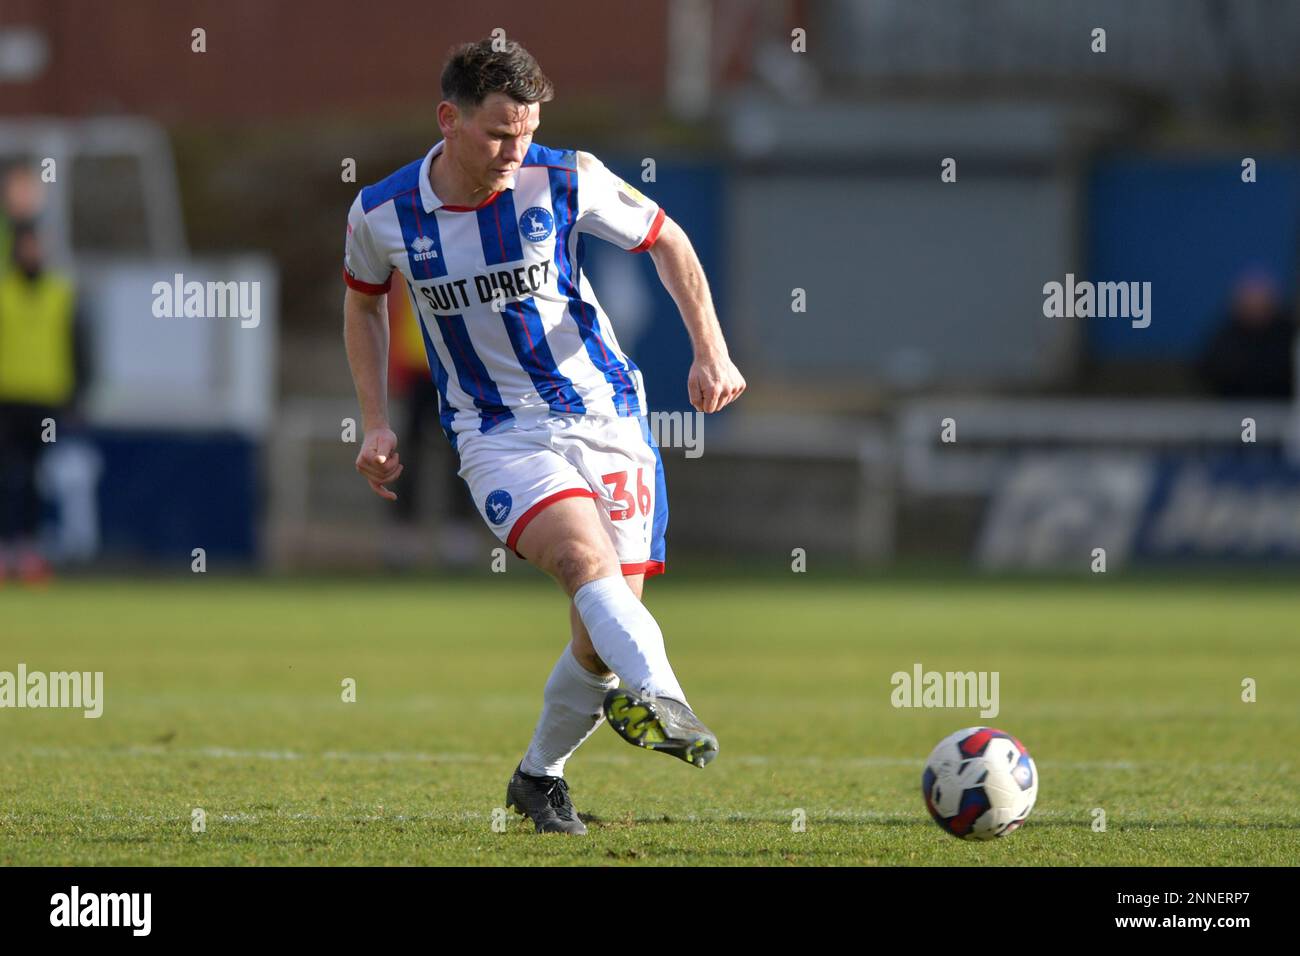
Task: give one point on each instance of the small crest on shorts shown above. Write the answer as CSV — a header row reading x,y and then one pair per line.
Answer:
x,y
497,506
536,223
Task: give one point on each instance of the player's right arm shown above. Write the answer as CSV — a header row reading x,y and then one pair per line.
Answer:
x,y
365,334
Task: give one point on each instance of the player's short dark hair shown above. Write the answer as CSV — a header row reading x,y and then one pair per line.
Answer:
x,y
474,71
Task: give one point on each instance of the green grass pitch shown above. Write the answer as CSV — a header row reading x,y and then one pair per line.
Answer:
x,y
225,695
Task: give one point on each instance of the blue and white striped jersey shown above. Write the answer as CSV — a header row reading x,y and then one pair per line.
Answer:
x,y
512,328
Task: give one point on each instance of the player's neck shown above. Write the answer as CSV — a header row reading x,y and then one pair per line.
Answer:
x,y
451,186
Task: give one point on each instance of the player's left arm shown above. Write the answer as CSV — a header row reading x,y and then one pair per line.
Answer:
x,y
611,209
714,381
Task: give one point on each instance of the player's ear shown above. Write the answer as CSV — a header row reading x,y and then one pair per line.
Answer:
x,y
448,118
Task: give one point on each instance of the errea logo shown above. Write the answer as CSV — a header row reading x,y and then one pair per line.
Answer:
x,y
422,247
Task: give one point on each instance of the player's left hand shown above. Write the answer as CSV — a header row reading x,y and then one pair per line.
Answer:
x,y
714,383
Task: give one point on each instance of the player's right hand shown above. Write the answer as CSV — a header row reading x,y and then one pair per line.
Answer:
x,y
377,461
714,382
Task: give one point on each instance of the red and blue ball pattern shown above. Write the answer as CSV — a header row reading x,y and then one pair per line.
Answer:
x,y
976,799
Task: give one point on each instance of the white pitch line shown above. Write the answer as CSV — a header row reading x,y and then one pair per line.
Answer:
x,y
752,760
714,815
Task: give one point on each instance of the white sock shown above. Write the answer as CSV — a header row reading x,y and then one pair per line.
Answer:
x,y
571,711
627,637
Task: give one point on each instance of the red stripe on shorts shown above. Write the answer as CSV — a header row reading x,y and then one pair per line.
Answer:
x,y
522,521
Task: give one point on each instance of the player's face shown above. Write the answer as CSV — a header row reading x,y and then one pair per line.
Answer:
x,y
495,138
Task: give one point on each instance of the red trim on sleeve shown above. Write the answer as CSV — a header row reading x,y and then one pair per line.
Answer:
x,y
648,568
522,521
369,288
652,235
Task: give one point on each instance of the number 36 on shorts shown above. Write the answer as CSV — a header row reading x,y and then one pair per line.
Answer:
x,y
618,484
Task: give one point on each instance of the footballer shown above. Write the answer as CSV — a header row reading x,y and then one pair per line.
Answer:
x,y
544,409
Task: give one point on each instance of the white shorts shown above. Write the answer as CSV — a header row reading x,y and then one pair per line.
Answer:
x,y
515,472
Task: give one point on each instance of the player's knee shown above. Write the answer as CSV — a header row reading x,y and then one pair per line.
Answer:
x,y
575,562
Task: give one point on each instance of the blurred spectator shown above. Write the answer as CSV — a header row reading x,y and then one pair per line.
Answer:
x,y
1251,354
21,198
42,370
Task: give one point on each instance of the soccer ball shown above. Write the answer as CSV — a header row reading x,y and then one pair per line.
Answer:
x,y
979,783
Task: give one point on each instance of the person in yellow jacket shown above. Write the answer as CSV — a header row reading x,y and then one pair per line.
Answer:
x,y
41,375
